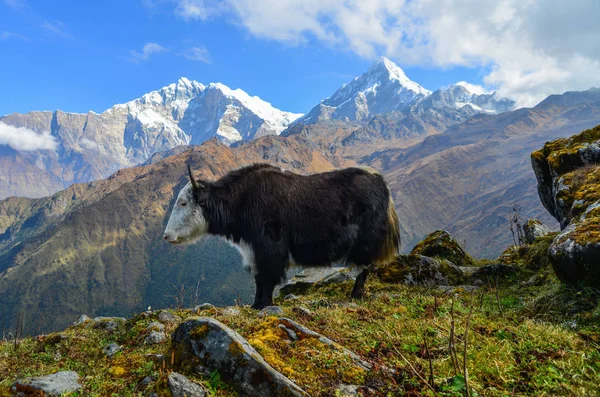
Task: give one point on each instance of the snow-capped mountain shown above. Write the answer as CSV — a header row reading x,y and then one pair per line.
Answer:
x,y
385,88
381,89
92,146
459,95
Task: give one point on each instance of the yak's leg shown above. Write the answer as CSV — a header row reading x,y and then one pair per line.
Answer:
x,y
359,285
259,292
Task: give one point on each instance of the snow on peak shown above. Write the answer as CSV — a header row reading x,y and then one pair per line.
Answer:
x,y
395,72
261,108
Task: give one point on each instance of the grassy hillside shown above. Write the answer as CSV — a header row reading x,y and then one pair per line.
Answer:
x,y
522,335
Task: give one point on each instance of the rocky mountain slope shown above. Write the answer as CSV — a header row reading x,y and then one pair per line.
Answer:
x,y
97,247
92,146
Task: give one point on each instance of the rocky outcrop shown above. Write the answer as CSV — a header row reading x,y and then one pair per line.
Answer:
x,y
568,176
56,384
441,244
317,276
212,344
533,229
421,270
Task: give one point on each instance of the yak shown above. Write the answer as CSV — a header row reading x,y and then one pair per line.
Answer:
x,y
278,218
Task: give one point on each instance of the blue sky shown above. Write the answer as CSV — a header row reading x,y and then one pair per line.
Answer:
x,y
87,55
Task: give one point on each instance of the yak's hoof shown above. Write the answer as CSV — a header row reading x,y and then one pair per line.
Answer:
x,y
258,306
357,295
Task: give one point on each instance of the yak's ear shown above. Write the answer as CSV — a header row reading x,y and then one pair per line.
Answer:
x,y
195,184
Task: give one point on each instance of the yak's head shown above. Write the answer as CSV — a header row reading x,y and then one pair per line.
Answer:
x,y
187,222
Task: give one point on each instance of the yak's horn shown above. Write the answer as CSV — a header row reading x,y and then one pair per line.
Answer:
x,y
195,184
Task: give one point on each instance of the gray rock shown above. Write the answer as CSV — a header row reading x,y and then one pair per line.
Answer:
x,y
181,386
53,385
293,336
290,297
204,306
534,229
218,347
82,319
144,383
155,337
302,311
111,349
494,270
317,276
270,311
108,323
166,317
156,326
231,311
421,270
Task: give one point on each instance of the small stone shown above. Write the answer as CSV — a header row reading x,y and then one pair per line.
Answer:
x,y
155,337
290,297
352,391
293,336
111,349
231,311
270,311
155,326
204,306
156,357
166,317
82,319
53,385
144,383
478,282
302,311
182,387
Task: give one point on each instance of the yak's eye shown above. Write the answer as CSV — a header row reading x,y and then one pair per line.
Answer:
x,y
183,204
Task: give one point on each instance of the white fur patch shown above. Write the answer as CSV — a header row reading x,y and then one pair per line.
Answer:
x,y
247,253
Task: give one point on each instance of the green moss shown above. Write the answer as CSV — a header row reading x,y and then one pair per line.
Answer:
x,y
442,245
557,153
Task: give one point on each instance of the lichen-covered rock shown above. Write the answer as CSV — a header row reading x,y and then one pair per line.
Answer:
x,y
534,229
181,386
270,311
155,337
420,270
568,176
318,276
441,244
208,342
111,349
166,317
56,384
108,323
81,320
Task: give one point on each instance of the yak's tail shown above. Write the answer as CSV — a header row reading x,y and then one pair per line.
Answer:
x,y
391,244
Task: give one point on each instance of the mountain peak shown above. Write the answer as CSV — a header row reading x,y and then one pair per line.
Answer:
x,y
396,73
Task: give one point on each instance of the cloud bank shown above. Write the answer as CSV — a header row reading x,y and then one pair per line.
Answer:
x,y
147,51
527,49
24,139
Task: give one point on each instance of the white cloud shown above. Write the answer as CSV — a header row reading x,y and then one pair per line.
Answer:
x,y
57,29
6,35
88,144
474,88
197,54
528,48
16,4
21,138
147,51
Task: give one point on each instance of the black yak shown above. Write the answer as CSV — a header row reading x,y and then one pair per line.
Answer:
x,y
277,218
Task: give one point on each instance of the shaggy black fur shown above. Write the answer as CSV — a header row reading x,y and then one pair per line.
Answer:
x,y
316,220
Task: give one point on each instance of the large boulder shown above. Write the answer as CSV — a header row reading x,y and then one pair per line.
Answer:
x,y
211,344
420,270
568,176
55,384
441,244
317,276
